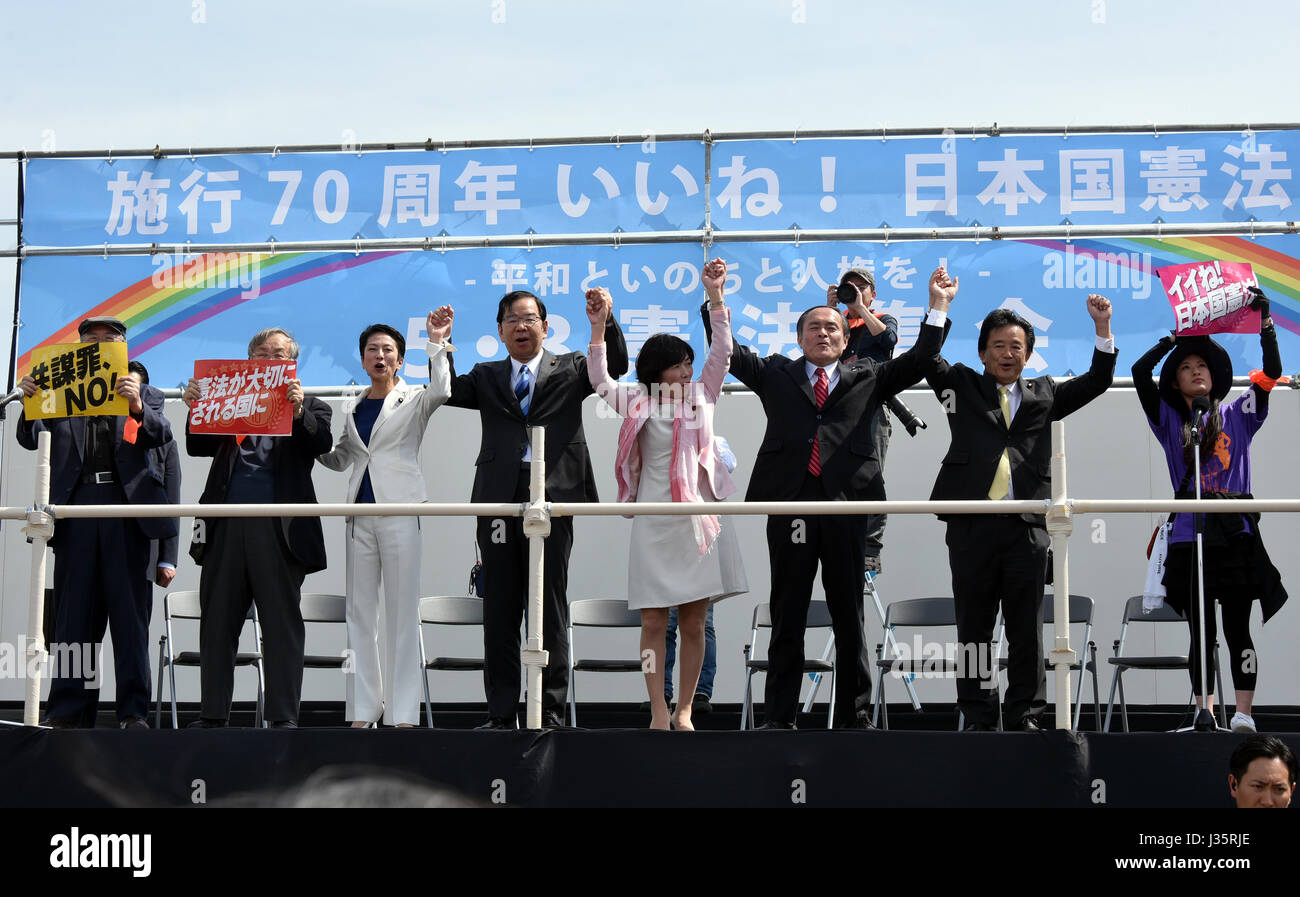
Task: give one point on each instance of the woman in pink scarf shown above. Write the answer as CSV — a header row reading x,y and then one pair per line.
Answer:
x,y
666,453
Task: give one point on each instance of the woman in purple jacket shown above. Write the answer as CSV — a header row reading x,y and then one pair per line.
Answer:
x,y
1237,567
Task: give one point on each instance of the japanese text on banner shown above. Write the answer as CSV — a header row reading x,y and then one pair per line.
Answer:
x,y
240,398
1211,297
77,380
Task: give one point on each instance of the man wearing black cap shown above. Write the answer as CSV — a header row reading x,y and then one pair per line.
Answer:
x,y
871,336
103,460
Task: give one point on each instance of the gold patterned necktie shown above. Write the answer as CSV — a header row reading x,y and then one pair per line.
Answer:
x,y
1002,477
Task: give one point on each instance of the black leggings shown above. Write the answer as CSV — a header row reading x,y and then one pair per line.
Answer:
x,y
1242,659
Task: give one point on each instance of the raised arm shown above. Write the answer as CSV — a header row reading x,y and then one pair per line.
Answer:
x,y
1079,391
437,326
1272,355
1147,391
599,305
719,359
923,359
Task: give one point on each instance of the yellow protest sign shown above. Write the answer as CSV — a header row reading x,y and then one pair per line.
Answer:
x,y
77,380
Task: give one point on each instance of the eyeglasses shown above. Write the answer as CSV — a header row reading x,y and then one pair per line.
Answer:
x,y
527,320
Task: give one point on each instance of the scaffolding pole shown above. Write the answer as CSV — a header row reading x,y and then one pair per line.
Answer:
x,y
704,236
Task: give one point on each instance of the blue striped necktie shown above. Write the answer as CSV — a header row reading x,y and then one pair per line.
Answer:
x,y
521,390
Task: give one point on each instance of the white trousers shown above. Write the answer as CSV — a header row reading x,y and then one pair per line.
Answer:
x,y
387,550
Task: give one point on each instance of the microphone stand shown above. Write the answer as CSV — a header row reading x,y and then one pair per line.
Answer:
x,y
1205,716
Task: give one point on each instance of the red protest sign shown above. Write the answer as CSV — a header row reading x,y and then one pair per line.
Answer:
x,y
242,398
1211,297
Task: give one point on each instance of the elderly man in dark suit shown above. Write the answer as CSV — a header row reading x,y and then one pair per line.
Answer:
x,y
1001,449
261,560
530,388
819,447
103,460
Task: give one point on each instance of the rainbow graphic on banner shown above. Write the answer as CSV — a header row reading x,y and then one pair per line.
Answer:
x,y
160,306
1278,274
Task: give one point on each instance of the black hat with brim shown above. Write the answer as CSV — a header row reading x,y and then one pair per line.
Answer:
x,y
1215,356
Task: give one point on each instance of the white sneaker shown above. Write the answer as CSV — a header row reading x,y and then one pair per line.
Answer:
x,y
1242,723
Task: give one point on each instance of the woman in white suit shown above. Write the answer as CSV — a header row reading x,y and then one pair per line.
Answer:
x,y
382,432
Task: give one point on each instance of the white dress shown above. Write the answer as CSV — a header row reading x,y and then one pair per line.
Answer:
x,y
665,566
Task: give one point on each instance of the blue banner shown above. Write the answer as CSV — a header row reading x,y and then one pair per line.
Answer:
x,y
340,196
773,184
208,306
959,181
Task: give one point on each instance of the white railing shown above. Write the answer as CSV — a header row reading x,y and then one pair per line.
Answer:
x,y
537,513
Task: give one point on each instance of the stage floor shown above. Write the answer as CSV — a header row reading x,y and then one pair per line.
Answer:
x,y
610,768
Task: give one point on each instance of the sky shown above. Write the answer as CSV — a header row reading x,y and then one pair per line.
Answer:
x,y
90,75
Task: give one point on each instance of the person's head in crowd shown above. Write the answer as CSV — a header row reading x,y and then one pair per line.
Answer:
x,y
135,367
665,360
383,349
822,333
101,329
1263,773
1005,345
273,344
857,282
521,322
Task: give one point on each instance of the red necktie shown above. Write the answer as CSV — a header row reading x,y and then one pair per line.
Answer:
x,y
820,392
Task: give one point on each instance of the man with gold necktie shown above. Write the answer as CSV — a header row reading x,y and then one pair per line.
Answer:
x,y
1001,449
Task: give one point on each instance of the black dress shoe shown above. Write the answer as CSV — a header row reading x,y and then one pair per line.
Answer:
x,y
133,722
1029,724
284,724
552,720
700,705
772,725
496,722
58,724
978,727
205,723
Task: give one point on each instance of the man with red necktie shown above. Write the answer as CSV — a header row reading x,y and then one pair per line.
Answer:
x,y
818,447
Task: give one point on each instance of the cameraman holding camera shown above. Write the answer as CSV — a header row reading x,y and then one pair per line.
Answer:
x,y
871,336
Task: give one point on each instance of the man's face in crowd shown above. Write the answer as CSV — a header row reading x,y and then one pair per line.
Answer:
x,y
1266,784
275,347
823,338
102,333
1005,355
523,329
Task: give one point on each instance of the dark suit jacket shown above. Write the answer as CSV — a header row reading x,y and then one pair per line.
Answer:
x,y
561,386
979,433
168,459
292,458
850,468
141,481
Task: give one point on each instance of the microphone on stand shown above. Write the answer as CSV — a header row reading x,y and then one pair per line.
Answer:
x,y
14,396
1200,408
